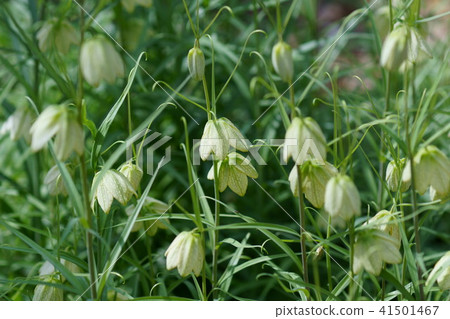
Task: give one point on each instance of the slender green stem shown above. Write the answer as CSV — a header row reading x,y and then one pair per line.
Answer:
x,y
327,257
208,104
351,228
216,231
413,189
302,225
84,177
148,246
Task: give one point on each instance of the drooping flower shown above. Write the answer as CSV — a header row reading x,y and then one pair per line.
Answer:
x,y
233,172
100,61
54,182
282,61
196,63
431,170
388,224
18,124
218,136
57,33
441,273
342,197
395,48
48,292
133,173
112,185
186,254
304,139
151,207
374,247
394,176
315,177
59,120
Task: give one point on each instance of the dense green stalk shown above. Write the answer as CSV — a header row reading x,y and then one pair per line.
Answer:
x,y
302,226
352,256
216,231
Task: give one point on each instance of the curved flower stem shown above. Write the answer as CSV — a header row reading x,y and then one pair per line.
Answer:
x,y
327,256
302,226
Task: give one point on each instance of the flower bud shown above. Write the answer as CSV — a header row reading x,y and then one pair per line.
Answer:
x,y
196,63
388,224
18,124
133,173
441,273
395,48
373,248
44,292
393,176
315,177
112,185
58,34
100,61
129,5
61,121
186,254
282,61
342,197
233,172
303,137
218,136
431,169
54,182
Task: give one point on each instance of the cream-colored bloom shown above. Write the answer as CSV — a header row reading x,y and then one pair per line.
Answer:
x,y
394,176
130,5
100,61
54,182
315,177
441,273
431,169
233,172
342,197
112,185
44,292
388,224
58,34
196,63
186,254
395,48
373,248
218,136
282,61
151,207
133,173
18,124
304,137
61,121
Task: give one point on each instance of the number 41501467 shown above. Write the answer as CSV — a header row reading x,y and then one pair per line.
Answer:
x,y
408,310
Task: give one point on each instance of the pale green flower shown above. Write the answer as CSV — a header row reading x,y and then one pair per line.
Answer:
x,y
315,177
133,173
151,207
373,248
299,133
441,273
186,254
342,198
431,169
113,185
218,136
18,124
196,63
233,172
59,121
388,224
44,292
282,61
54,182
57,33
393,176
100,61
395,48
